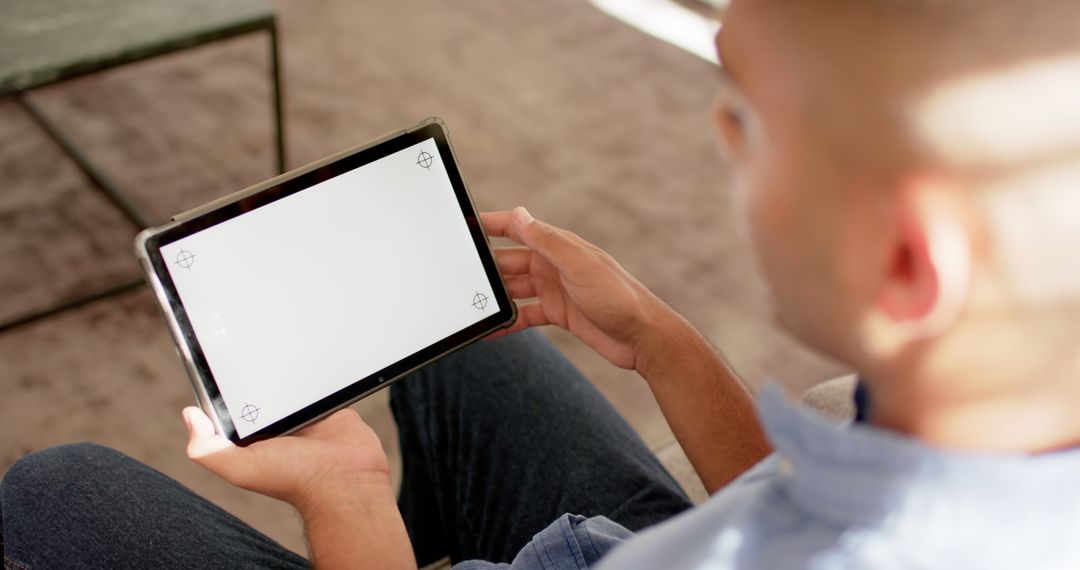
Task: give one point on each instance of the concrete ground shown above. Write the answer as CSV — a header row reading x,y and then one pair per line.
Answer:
x,y
551,105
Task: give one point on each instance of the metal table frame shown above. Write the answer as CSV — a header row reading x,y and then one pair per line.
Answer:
x,y
97,176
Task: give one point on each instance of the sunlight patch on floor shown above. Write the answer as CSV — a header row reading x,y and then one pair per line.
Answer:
x,y
667,21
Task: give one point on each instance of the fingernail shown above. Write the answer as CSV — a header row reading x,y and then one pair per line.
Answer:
x,y
187,418
523,215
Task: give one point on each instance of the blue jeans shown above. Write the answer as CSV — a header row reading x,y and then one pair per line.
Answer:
x,y
497,441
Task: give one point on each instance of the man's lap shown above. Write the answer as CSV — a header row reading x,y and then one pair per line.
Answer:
x,y
90,506
499,440
511,436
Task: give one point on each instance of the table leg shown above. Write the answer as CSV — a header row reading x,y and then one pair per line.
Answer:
x,y
275,77
126,204
99,179
97,176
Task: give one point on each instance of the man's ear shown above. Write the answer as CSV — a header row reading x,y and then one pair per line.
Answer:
x,y
929,263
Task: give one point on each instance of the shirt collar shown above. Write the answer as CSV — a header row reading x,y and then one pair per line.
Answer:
x,y
861,474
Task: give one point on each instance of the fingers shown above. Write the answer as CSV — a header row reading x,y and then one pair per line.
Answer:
x,y
562,248
513,260
498,224
520,286
528,316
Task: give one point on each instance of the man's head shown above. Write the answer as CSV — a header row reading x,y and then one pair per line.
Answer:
x,y
911,175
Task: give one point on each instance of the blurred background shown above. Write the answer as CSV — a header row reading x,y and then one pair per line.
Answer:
x,y
593,115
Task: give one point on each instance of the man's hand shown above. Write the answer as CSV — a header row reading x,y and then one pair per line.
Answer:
x,y
578,286
339,451
582,289
336,475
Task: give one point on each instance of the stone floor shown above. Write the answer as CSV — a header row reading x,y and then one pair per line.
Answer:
x,y
551,105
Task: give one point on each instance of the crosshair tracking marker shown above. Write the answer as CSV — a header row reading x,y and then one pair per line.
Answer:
x,y
185,259
249,413
424,160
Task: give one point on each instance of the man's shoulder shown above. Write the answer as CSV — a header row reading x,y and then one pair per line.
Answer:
x,y
731,522
683,542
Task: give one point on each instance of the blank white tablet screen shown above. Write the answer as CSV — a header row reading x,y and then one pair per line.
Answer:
x,y
304,296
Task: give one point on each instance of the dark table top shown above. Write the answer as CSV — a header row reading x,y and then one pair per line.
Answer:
x,y
42,41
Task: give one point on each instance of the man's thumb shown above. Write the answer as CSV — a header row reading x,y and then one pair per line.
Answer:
x,y
202,438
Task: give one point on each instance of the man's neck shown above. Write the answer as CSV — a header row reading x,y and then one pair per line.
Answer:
x,y
1027,422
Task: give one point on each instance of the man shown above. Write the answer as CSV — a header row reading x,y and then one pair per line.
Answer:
x,y
908,171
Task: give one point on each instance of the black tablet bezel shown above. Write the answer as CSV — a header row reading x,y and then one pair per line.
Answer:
x,y
292,185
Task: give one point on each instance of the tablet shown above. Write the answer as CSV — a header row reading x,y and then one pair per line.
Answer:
x,y
296,297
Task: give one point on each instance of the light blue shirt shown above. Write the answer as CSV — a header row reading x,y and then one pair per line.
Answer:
x,y
853,496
